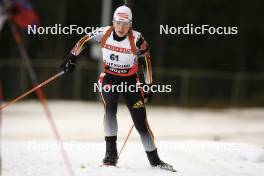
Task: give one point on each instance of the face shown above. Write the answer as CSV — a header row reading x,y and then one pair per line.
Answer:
x,y
121,28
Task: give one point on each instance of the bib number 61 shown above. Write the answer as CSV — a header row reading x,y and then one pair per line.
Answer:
x,y
114,57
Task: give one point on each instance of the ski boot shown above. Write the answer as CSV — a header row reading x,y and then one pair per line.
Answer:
x,y
111,157
155,161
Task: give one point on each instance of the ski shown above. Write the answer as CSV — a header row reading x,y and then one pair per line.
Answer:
x,y
171,169
166,166
108,165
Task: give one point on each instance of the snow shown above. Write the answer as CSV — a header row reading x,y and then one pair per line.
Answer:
x,y
197,142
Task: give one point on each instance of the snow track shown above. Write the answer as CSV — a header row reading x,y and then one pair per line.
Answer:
x,y
196,142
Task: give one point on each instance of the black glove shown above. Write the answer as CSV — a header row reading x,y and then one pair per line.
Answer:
x,y
148,95
69,64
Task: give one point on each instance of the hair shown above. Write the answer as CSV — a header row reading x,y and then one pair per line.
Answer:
x,y
128,3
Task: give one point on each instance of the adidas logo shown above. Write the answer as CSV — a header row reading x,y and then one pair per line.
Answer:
x,y
138,104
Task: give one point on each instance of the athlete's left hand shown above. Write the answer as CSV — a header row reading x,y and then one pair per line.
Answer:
x,y
148,95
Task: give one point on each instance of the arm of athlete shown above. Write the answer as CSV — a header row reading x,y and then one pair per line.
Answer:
x,y
145,63
69,63
145,59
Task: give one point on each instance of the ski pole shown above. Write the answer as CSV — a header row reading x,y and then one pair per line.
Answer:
x,y
126,140
32,90
39,91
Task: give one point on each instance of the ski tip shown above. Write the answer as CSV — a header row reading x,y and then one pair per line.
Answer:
x,y
173,170
83,166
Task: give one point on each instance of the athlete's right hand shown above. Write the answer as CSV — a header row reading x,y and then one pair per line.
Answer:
x,y
68,65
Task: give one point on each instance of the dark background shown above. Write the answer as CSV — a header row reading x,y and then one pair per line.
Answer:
x,y
205,70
